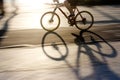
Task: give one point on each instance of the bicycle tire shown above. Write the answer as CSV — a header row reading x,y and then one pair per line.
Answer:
x,y
84,20
48,24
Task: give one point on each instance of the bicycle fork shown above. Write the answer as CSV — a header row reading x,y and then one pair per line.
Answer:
x,y
51,20
83,19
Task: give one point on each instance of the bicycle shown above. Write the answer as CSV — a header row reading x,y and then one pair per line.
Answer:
x,y
50,21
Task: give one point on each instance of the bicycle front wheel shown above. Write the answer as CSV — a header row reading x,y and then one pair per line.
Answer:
x,y
84,20
50,21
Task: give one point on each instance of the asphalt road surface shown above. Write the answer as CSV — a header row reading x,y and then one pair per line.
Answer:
x,y
35,36
67,54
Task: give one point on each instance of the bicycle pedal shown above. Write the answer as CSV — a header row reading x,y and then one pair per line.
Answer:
x,y
71,24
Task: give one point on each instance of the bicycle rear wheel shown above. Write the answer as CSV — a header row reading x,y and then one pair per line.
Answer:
x,y
84,20
50,21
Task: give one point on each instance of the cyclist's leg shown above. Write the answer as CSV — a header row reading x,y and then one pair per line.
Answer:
x,y
69,7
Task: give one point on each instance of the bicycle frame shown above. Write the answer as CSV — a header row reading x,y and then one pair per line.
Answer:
x,y
83,20
58,7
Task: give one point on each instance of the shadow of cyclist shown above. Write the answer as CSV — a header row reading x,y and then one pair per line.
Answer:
x,y
2,12
5,26
101,69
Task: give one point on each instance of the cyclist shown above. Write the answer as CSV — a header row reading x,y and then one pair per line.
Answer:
x,y
70,5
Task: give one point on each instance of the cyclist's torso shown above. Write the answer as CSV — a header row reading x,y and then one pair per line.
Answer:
x,y
73,2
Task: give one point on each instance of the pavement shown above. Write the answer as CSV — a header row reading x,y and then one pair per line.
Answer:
x,y
95,61
76,60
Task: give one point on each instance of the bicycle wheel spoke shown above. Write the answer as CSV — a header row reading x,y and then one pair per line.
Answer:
x,y
50,21
84,20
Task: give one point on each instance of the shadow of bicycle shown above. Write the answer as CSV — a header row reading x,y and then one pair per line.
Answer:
x,y
92,45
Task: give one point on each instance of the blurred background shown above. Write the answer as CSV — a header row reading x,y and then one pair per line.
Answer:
x,y
98,2
6,4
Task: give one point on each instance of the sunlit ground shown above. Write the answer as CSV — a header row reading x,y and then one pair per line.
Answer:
x,y
28,12
31,4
